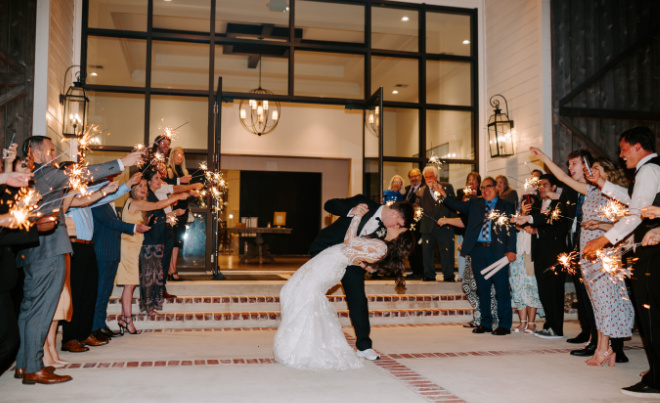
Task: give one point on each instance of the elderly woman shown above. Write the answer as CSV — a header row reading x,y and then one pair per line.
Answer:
x,y
395,191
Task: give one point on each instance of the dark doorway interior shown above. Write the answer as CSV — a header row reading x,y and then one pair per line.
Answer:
x,y
296,193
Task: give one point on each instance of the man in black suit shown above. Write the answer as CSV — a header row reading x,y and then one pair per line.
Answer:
x,y
433,234
376,219
548,241
415,258
486,243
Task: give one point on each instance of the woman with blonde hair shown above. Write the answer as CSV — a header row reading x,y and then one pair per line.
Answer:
x,y
612,307
395,191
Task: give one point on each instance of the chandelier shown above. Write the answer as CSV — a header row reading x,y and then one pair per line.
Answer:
x,y
259,116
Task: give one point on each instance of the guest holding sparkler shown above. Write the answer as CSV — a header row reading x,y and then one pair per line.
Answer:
x,y
44,264
176,169
428,198
415,259
472,182
614,314
487,243
129,273
395,190
638,151
548,241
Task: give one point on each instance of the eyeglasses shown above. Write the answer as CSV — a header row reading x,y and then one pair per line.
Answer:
x,y
400,183
484,187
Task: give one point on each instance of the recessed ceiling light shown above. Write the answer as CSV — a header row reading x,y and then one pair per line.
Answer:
x,y
395,92
466,42
167,1
93,74
404,18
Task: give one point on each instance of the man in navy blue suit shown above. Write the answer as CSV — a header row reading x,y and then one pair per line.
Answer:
x,y
108,228
486,242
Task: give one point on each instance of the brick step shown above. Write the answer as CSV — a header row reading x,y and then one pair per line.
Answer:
x,y
271,319
271,303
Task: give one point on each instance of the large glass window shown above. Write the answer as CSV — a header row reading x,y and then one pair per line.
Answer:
x,y
448,34
189,114
401,132
180,65
329,75
189,15
240,72
448,134
397,76
120,116
116,61
394,29
327,21
252,19
448,83
129,15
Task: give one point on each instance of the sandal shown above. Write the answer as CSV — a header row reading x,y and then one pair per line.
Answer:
x,y
170,276
518,330
528,329
125,323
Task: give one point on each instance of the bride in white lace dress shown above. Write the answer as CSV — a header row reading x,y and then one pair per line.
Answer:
x,y
309,335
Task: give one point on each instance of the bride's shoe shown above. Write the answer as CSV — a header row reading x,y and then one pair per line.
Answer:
x,y
601,358
521,329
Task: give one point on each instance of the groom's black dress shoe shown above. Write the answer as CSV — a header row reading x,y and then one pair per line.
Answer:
x,y
413,277
587,351
620,357
428,279
580,338
482,329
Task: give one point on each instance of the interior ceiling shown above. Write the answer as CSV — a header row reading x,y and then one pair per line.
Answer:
x,y
180,65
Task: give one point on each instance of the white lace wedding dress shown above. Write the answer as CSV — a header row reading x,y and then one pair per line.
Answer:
x,y
309,335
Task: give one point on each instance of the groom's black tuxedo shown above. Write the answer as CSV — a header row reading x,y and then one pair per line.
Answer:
x,y
353,280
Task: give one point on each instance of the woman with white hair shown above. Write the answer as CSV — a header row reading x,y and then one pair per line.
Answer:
x,y
395,191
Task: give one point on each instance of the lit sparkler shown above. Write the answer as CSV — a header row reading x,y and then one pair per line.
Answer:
x,y
172,219
613,211
435,160
531,183
79,178
568,262
21,208
467,191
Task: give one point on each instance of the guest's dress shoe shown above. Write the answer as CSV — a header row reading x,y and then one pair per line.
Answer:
x,y
547,334
413,277
100,336
428,279
74,346
482,329
93,341
369,354
579,339
18,374
621,357
500,331
449,280
107,332
587,351
168,295
641,390
44,376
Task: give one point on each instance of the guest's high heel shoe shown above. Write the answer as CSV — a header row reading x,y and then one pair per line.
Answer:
x,y
601,358
125,323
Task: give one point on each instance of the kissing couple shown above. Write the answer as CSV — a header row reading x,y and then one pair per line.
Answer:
x,y
309,335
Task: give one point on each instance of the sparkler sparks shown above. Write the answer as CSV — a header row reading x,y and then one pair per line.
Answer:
x,y
613,211
172,219
435,160
79,178
467,191
531,183
568,262
21,208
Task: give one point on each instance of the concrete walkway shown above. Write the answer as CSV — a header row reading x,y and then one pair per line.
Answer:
x,y
420,363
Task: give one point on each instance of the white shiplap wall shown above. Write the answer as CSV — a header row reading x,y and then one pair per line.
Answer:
x,y
517,65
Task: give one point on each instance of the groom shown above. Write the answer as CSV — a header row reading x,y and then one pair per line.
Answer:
x,y
377,217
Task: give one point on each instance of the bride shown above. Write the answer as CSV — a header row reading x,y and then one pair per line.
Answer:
x,y
309,335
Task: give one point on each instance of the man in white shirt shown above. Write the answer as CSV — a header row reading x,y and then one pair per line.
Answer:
x,y
638,151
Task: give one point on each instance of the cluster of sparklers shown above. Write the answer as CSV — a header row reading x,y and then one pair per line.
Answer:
x,y
22,206
215,185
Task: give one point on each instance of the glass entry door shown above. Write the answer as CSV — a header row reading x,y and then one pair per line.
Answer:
x,y
214,165
372,144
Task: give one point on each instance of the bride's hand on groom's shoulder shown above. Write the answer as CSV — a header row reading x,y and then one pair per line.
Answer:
x,y
359,210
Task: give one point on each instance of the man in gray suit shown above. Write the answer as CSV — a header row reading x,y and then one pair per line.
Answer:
x,y
44,264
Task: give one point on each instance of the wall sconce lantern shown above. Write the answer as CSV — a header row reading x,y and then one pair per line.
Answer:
x,y
500,130
259,116
75,103
373,121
